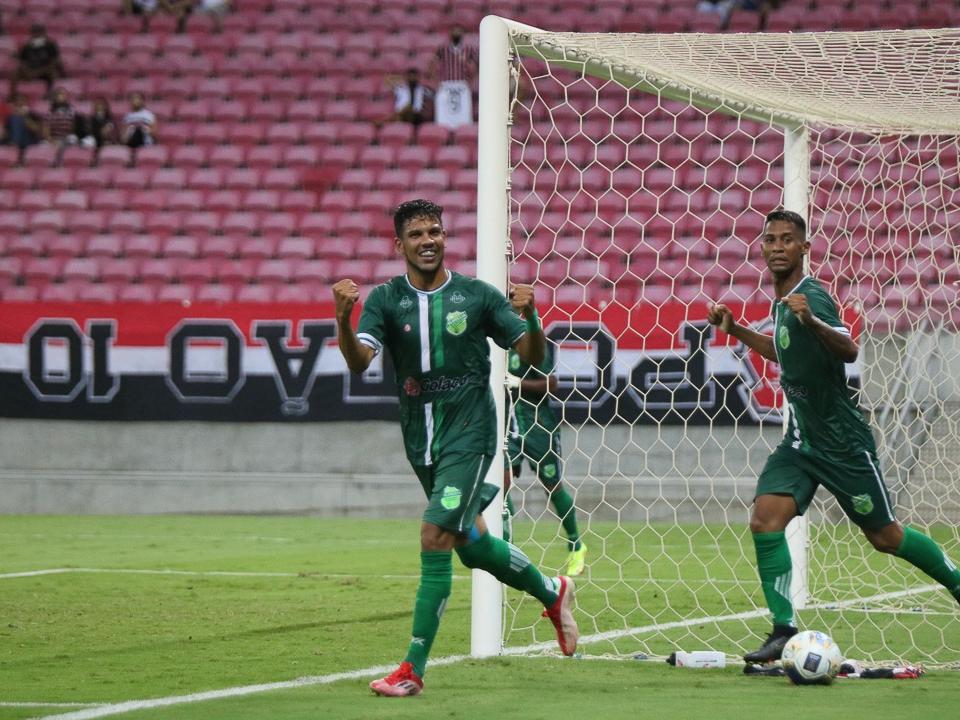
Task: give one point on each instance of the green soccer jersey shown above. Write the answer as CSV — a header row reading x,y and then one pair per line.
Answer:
x,y
533,412
823,419
438,342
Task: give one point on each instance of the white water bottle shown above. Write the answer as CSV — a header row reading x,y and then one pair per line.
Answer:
x,y
698,659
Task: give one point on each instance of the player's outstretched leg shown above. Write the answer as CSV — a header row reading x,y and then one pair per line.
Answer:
x,y
436,580
919,550
775,568
510,566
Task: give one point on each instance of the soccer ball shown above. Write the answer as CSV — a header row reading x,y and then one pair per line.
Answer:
x,y
811,658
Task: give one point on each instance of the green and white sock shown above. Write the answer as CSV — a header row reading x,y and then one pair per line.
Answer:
x,y
509,565
563,504
776,569
508,513
924,553
436,580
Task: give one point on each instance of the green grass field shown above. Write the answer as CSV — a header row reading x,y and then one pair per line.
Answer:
x,y
148,608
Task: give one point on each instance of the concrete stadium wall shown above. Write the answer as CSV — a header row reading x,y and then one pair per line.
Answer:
x,y
346,469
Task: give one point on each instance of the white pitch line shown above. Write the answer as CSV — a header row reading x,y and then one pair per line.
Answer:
x,y
48,704
239,573
131,705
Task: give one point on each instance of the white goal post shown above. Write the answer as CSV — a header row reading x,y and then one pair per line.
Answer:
x,y
627,176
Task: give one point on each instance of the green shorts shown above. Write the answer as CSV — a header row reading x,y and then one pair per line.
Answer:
x,y
541,449
455,490
856,482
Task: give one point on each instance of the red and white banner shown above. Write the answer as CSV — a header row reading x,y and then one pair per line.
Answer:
x,y
649,363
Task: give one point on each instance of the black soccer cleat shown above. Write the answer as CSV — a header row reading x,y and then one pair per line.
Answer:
x,y
772,647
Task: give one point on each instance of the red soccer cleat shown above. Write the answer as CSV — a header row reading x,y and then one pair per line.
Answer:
x,y
401,682
561,615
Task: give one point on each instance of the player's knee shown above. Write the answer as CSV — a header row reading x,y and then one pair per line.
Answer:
x,y
886,540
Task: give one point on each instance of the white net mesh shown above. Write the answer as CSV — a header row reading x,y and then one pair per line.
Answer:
x,y
641,170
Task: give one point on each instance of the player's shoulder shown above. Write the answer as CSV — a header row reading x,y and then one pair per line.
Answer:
x,y
388,290
474,286
814,288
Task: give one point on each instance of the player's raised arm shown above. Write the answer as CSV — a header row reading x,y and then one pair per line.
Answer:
x,y
532,345
721,316
358,356
836,342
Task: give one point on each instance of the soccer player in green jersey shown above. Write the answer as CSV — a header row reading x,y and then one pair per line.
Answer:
x,y
534,433
435,323
827,442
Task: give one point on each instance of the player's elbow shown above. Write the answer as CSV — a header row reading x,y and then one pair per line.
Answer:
x,y
850,353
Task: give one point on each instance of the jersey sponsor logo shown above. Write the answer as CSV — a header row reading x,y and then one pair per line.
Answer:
x,y
794,391
456,322
862,504
450,498
783,337
411,387
457,297
443,383
406,302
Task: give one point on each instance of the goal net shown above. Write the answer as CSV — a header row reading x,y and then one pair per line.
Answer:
x,y
627,177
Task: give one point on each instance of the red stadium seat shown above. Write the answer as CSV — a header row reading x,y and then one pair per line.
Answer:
x,y
141,246
255,294
298,248
103,246
215,294
256,248
136,294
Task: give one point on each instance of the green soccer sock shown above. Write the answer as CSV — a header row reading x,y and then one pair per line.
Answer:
x,y
775,569
508,514
436,579
924,553
563,503
509,565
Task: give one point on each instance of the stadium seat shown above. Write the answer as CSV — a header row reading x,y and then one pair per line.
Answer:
x,y
141,246
136,294
256,248
255,294
201,223
223,200
219,247
180,246
215,294
296,248
103,246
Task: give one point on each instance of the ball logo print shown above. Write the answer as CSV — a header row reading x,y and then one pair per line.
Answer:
x,y
811,658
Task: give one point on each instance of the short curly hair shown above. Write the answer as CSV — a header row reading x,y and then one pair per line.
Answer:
x,y
410,209
795,219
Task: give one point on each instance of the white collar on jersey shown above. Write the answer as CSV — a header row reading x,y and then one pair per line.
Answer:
x,y
436,289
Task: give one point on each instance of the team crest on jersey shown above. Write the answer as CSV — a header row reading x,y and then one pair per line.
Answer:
x,y
406,302
514,362
550,471
457,297
783,336
863,504
450,499
456,322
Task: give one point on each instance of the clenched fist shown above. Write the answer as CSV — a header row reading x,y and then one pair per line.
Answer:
x,y
345,295
521,298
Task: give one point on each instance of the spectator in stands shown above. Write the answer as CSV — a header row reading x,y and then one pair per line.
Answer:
x,y
179,9
39,59
411,98
453,70
63,125
24,127
139,125
216,9
101,128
